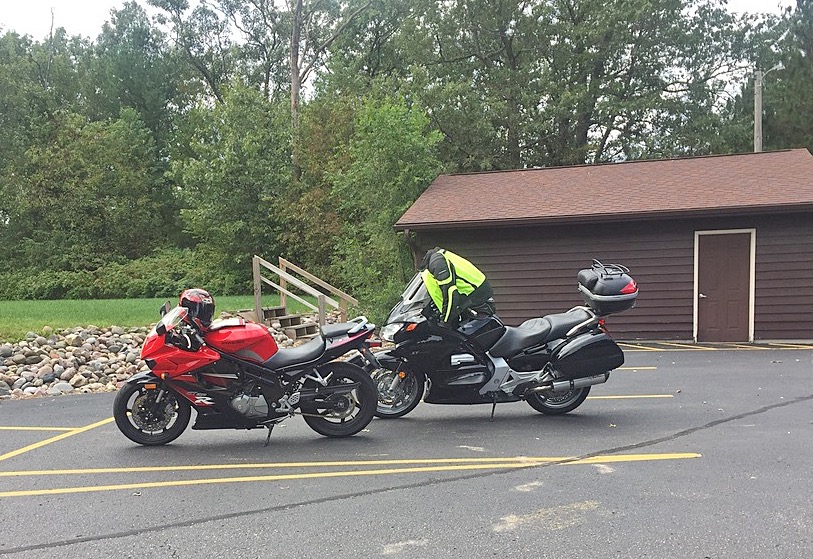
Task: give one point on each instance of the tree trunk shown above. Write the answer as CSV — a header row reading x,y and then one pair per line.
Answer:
x,y
296,85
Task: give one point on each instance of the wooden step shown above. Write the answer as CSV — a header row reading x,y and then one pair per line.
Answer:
x,y
273,312
287,320
269,314
300,331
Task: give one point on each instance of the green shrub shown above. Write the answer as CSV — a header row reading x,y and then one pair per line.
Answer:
x,y
165,274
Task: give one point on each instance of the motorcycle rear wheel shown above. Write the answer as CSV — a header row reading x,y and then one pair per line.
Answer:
x,y
146,422
558,404
344,414
403,398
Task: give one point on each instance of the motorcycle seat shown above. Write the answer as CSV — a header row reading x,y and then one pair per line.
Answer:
x,y
529,333
537,331
337,330
309,351
561,323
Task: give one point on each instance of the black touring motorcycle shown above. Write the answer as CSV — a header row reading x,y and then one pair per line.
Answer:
x,y
550,362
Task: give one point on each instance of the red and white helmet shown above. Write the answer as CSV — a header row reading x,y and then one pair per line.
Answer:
x,y
201,307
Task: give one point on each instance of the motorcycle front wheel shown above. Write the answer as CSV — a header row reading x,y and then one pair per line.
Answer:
x,y
399,392
341,415
558,404
150,417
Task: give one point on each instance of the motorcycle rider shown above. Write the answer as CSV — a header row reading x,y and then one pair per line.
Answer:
x,y
455,285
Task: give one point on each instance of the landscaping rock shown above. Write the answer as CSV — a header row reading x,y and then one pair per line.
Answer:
x,y
77,360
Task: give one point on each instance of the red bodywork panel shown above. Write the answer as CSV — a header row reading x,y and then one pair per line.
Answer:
x,y
175,361
249,341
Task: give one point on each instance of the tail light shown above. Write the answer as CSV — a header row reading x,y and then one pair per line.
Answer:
x,y
602,325
631,287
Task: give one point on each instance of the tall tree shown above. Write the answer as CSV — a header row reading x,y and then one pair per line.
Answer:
x,y
81,196
551,82
315,26
205,39
133,66
788,119
389,161
235,171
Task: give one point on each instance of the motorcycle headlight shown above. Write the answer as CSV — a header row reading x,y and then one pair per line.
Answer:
x,y
388,332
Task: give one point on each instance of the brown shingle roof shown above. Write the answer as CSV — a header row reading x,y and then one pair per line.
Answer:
x,y
723,184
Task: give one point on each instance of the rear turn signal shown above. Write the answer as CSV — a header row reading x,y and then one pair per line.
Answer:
x,y
631,287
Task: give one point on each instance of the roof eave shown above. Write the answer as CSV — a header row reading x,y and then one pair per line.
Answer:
x,y
606,218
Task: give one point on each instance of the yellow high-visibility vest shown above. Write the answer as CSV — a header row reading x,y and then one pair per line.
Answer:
x,y
468,276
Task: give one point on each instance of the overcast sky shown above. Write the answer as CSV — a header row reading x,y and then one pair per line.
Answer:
x,y
85,17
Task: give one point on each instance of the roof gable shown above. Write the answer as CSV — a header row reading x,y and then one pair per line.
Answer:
x,y
730,184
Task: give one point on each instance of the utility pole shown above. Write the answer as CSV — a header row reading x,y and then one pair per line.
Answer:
x,y
758,110
759,77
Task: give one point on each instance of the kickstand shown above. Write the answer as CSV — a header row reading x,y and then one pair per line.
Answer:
x,y
270,427
493,406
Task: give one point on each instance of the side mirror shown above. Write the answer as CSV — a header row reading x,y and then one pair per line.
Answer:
x,y
161,328
165,308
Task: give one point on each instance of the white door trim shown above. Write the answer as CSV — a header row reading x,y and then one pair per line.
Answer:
x,y
751,280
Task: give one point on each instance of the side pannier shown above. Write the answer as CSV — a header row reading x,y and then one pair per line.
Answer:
x,y
607,289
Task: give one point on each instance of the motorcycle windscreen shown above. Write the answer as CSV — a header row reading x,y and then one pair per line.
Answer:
x,y
413,300
588,354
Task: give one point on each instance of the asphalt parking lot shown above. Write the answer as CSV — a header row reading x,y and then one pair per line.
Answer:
x,y
688,451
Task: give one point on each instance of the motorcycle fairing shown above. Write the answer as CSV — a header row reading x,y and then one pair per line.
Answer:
x,y
174,361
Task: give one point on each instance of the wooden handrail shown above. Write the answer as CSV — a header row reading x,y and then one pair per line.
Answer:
x,y
285,264
286,278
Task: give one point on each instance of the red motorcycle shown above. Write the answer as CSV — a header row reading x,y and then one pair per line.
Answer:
x,y
235,376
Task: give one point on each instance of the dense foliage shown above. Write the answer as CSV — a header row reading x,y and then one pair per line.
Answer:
x,y
167,151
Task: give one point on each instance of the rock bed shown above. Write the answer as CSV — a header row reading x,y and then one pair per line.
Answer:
x,y
87,359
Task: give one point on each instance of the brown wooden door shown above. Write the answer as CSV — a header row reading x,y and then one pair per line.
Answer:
x,y
723,285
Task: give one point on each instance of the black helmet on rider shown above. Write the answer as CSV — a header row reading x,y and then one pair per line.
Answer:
x,y
426,257
200,306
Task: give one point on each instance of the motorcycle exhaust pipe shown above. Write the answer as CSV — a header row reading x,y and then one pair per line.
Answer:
x,y
572,384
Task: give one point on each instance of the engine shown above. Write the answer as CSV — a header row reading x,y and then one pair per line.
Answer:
x,y
250,406
252,400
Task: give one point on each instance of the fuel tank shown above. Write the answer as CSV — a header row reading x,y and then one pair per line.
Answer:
x,y
246,340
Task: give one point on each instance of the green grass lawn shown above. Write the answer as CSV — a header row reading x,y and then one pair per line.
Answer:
x,y
20,317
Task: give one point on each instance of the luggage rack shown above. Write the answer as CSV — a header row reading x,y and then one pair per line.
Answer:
x,y
609,269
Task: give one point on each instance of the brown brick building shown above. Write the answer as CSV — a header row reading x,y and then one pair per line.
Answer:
x,y
721,246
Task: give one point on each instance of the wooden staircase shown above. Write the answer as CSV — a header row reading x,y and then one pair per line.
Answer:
x,y
293,324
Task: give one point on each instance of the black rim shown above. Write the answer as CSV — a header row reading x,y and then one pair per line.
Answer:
x,y
151,417
398,399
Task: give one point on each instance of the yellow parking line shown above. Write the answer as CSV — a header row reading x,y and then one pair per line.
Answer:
x,y
636,369
40,444
688,346
37,428
749,347
472,464
632,396
638,347
634,458
526,460
791,346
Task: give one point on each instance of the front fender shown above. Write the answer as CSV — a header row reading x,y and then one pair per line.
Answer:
x,y
143,378
388,360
